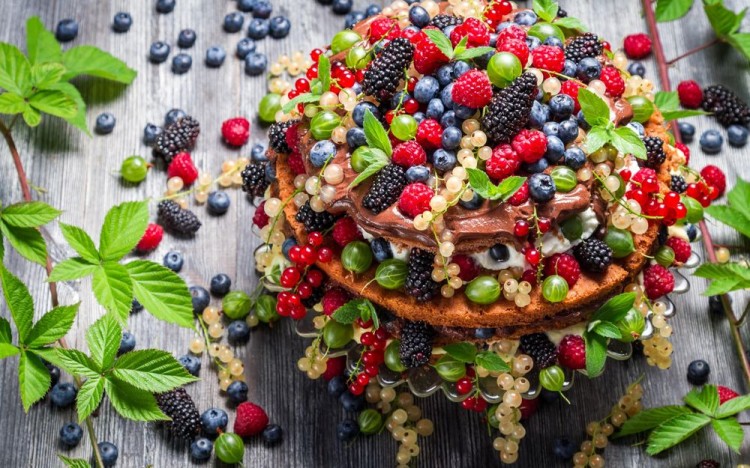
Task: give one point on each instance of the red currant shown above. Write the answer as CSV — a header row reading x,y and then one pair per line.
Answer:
x,y
302,85
304,290
290,277
382,334
325,255
468,404
411,106
314,277
372,371
412,83
533,256
315,238
367,339
464,386
315,54
356,389
671,199
298,312
625,174
521,229
544,224
363,379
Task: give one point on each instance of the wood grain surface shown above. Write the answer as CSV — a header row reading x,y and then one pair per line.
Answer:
x,y
77,174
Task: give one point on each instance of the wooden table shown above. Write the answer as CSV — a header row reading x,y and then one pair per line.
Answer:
x,y
76,172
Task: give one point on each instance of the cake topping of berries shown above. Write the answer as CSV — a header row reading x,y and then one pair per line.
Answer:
x,y
509,109
654,152
548,58
585,45
419,283
593,255
442,21
472,89
564,265
277,136
681,248
540,348
385,189
427,56
415,199
345,230
474,30
333,299
313,220
416,344
408,154
503,163
387,70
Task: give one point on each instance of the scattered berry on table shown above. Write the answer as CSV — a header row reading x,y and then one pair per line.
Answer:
x,y
246,6
687,131
151,238
127,343
711,141
235,131
244,47
342,7
181,63
215,56
540,348
182,166
165,6
218,202
54,373
63,394
173,115
237,391
220,284
416,344
122,22
158,52
564,449
173,260
258,28
726,394
179,406
109,453
177,220
192,364
708,463
255,63
134,169
200,298
251,419
177,137
71,434
347,430
105,123
637,68
201,448
637,46
214,420
262,9
737,135
135,306
698,372
272,434
233,22
279,27
725,105
150,132
238,332
714,178
66,30
690,94
657,281
352,403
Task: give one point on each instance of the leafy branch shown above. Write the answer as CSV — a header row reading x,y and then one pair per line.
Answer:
x,y
601,328
603,131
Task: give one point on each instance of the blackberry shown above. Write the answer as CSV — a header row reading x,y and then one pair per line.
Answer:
x,y
387,70
254,180
313,220
586,45
509,109
419,282
277,136
654,152
177,220
708,464
540,348
726,106
593,255
444,21
314,298
388,185
177,137
416,344
177,404
678,184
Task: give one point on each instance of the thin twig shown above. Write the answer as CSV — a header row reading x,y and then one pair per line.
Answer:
x,y
693,51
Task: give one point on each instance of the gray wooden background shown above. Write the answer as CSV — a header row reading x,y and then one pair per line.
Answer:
x,y
76,172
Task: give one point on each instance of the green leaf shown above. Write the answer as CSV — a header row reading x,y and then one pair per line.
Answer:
x,y
12,103
52,326
441,41
123,228
627,141
324,72
706,400
89,396
723,20
133,403
151,370
81,242
162,292
15,71
376,135
353,310
670,10
607,330
464,352
44,75
79,120
730,216
651,418
77,363
103,338
29,214
570,25
41,44
596,353
375,160
33,379
733,406
730,432
474,52
72,269
724,277
739,196
73,462
54,103
32,117
482,185
596,138
113,288
492,362
28,242
19,302
302,98
674,431
545,9
741,42
682,114
5,334
460,47
8,350
90,60
668,103
595,109
615,309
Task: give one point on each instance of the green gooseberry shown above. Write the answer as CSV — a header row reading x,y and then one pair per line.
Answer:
x,y
356,257
544,30
392,357
229,448
404,127
555,288
620,241
323,124
357,160
357,58
483,290
236,304
265,308
631,326
552,378
344,40
572,228
642,108
268,107
134,169
337,335
664,256
565,178
503,68
370,421
694,209
391,274
450,368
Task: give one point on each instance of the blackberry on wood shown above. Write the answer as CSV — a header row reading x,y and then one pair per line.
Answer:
x,y
678,184
593,255
419,282
313,220
540,348
387,70
509,110
177,220
416,344
277,136
708,464
177,404
654,152
254,179
726,106
444,21
177,137
385,190
586,45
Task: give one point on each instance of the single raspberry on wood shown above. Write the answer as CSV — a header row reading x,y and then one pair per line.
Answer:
x,y
151,238
345,230
415,199
681,248
571,352
182,166
503,163
657,281
251,420
690,93
236,131
726,394
715,178
409,153
333,299
564,265
472,89
637,46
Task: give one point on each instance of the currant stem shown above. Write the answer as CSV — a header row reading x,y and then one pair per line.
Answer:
x,y
693,51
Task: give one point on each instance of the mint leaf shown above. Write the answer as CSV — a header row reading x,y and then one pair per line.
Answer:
x,y
596,353
44,75
302,98
741,42
52,326
615,308
54,103
113,288
482,185
375,160
29,214
90,60
670,10
103,338
133,403
441,41
545,9
5,334
376,135
79,120
76,363
730,431
570,25
607,330
596,138
33,379
492,362
123,227
72,269
8,350
81,242
19,302
464,352
351,311
73,462
324,72
89,396
650,418
474,52
674,431
31,116
28,242
162,292
595,109
723,20
41,44
15,71
151,370
627,141
733,406
508,187
12,103
706,400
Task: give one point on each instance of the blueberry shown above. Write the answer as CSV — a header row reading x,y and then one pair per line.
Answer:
x,y
692,232
289,242
445,75
463,112
321,152
122,22
258,153
473,204
215,56
186,39
238,331
553,41
637,68
352,403
435,109
381,248
715,306
354,17
564,449
233,22
355,137
191,363
67,30
561,106
449,119
484,333
493,41
174,115
342,7
337,386
246,5
218,202
541,187
255,63
135,306
280,26
237,391
737,135
539,114
417,174
588,69
500,252
71,434
373,10
127,343
258,28
568,130
173,260
214,420
446,95
54,373
245,46
200,297
448,30
569,68
419,17
525,18
150,132
711,141
443,160
426,89
551,129
575,158
399,98
687,131
638,127
358,114
533,42
582,121
105,123
698,371
452,138
201,448
272,434
536,167
459,68
262,9
555,149
347,430
181,63
220,284
63,395
270,173
109,453
165,6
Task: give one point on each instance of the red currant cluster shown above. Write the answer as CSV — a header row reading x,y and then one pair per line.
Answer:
x,y
301,279
464,386
496,11
372,357
522,230
646,193
702,192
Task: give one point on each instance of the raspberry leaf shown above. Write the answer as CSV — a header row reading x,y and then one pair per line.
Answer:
x,y
19,302
668,103
596,353
103,338
12,103
473,52
151,370
492,362
5,334
324,72
733,406
8,350
72,269
15,70
73,462
162,292
123,227
29,214
650,418
131,402
670,10
672,432
706,400
33,379
81,242
615,308
53,325
46,74
89,396
724,277
31,116
376,135
28,242
545,9
723,20
730,431
570,25
92,61
78,120
741,42
41,45
54,103
113,288
75,362
464,352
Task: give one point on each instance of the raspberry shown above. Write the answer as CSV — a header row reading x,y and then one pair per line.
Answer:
x,y
548,58
513,32
637,46
530,145
291,135
715,178
521,195
475,30
681,248
468,267
657,281
333,299
345,230
726,394
251,420
685,151
503,163
571,352
334,366
517,47
691,94
472,89
430,134
151,238
415,199
296,164
427,56
236,131
182,166
260,218
383,27
613,81
564,265
409,153
571,88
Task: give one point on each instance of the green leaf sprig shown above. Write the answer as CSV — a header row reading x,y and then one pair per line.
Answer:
x,y
357,309
318,86
601,328
20,223
668,103
460,52
467,353
483,186
377,154
547,10
603,131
